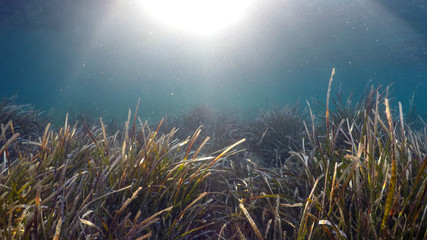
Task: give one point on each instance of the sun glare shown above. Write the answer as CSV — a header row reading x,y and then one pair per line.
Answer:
x,y
197,16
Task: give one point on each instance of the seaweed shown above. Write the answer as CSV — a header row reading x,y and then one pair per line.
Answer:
x,y
356,171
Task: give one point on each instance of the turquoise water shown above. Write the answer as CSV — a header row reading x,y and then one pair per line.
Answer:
x,y
101,56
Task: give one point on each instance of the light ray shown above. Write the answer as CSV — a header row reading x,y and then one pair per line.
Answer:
x,y
196,16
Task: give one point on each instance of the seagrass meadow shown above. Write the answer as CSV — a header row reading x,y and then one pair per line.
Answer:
x,y
213,119
342,171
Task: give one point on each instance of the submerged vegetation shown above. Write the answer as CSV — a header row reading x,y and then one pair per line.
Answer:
x,y
26,120
275,133
359,172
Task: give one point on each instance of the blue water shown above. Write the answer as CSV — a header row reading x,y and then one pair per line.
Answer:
x,y
101,56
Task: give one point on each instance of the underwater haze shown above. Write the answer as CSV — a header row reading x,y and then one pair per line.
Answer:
x,y
100,56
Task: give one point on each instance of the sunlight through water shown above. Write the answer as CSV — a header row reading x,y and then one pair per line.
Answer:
x,y
203,17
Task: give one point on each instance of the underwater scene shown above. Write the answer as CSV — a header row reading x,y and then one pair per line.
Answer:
x,y
201,119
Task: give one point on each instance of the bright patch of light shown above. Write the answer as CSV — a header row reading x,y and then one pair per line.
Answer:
x,y
197,16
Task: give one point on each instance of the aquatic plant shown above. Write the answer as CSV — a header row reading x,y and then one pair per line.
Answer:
x,y
222,129
81,183
351,175
26,120
373,188
351,114
369,187
277,132
256,203
21,122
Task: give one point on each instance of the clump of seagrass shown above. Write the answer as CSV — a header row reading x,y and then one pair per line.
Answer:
x,y
349,116
277,132
20,121
80,183
27,121
112,126
255,202
221,128
373,188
